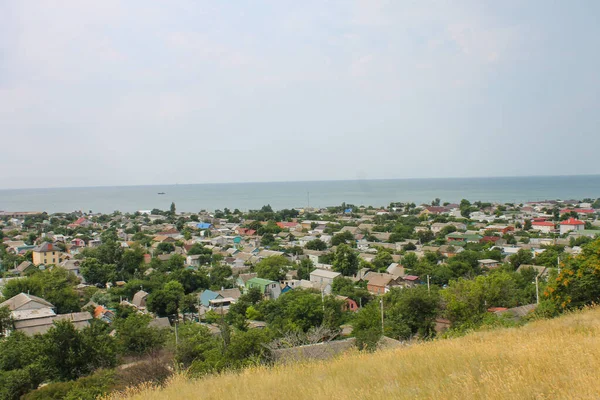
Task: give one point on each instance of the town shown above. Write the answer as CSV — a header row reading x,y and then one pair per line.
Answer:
x,y
212,291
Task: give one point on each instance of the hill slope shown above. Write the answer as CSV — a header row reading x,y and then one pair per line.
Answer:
x,y
546,359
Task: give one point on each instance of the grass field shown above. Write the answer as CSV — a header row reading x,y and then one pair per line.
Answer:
x,y
552,359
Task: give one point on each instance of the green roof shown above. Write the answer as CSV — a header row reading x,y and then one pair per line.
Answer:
x,y
263,283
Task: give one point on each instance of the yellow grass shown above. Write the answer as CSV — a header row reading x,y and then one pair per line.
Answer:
x,y
555,359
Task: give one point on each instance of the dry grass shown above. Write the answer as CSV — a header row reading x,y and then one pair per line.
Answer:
x,y
555,359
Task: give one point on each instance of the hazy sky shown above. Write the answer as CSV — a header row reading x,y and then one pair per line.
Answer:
x,y
144,92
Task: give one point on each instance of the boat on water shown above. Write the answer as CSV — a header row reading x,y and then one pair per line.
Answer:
x,y
161,192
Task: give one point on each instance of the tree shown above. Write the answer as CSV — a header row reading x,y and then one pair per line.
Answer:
x,y
383,259
410,260
166,301
527,225
411,311
465,302
6,322
134,336
70,353
198,249
367,327
342,238
465,208
165,248
305,267
272,268
316,244
345,260
267,239
172,209
95,272
521,257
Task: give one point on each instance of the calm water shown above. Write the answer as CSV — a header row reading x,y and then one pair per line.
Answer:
x,y
297,194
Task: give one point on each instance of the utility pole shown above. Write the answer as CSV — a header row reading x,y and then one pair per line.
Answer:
x,y
558,263
428,287
382,325
323,298
537,290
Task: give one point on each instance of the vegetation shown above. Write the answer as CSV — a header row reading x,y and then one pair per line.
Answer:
x,y
560,360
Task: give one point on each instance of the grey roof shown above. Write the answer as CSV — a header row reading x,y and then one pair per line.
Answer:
x,y
139,297
160,323
18,301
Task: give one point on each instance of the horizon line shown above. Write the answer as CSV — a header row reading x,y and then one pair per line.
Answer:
x,y
303,181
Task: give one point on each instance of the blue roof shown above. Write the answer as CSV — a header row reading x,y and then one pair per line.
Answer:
x,y
207,296
203,225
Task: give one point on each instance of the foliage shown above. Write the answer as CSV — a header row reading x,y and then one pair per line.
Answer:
x,y
166,301
134,336
345,260
272,268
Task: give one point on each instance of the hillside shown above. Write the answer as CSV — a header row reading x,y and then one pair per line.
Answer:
x,y
557,358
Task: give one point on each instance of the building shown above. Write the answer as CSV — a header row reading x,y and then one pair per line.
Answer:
x,y
543,226
488,263
380,283
46,253
571,224
266,287
322,276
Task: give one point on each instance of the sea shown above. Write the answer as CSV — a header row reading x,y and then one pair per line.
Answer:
x,y
250,196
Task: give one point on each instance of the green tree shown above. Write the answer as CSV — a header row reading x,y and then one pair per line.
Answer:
x,y
411,311
410,260
316,244
367,327
95,272
166,301
172,209
522,256
345,261
272,268
134,336
6,322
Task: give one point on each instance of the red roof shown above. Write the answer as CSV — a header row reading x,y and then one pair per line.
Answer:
x,y
496,309
493,239
578,210
284,225
542,223
410,278
572,221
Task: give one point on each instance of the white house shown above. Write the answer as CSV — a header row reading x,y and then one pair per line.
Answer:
x,y
323,276
571,224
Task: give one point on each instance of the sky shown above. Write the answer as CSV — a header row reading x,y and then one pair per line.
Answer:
x,y
102,93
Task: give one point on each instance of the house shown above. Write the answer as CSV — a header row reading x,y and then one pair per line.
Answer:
x,y
543,226
488,263
243,278
81,222
571,224
33,322
463,237
502,229
72,266
266,287
349,304
24,268
32,315
24,301
204,225
207,296
46,253
139,299
396,270
78,242
322,276
380,283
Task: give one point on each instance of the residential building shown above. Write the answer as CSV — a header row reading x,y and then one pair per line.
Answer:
x,y
266,287
322,276
46,254
571,224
